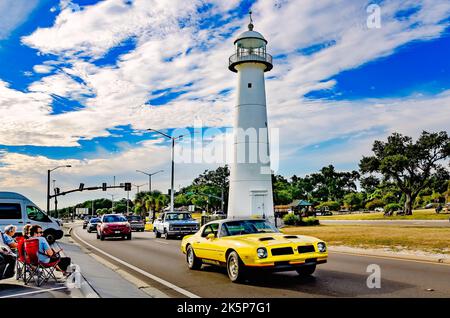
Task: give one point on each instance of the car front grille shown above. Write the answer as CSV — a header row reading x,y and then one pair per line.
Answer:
x,y
306,249
282,251
183,228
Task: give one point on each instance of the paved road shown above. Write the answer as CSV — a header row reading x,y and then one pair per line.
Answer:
x,y
424,223
343,276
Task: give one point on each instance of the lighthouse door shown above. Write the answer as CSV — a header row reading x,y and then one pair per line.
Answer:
x,y
258,202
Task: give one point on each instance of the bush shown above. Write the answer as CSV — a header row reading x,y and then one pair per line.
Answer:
x,y
293,219
391,207
309,221
332,205
375,203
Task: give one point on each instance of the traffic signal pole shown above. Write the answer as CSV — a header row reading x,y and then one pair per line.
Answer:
x,y
48,192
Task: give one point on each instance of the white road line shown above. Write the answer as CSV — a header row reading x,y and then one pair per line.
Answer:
x,y
160,242
33,292
140,271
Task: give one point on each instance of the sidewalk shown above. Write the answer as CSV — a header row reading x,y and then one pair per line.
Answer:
x,y
97,281
103,282
105,278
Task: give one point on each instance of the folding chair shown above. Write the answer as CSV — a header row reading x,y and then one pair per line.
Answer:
x,y
21,264
42,272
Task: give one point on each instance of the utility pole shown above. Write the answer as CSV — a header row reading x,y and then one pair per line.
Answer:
x,y
173,163
56,200
128,204
112,202
149,177
48,185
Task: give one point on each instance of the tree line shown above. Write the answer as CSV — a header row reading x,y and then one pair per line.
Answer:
x,y
401,174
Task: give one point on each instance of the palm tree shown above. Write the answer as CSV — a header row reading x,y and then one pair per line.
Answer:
x,y
153,201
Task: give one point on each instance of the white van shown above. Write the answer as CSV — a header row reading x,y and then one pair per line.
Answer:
x,y
18,210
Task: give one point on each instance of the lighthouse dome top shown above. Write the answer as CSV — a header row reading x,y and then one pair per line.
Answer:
x,y
250,34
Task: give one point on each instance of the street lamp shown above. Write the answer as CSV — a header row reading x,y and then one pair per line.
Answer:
x,y
138,186
112,202
48,185
173,155
149,178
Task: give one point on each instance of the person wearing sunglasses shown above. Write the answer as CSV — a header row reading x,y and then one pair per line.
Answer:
x,y
46,253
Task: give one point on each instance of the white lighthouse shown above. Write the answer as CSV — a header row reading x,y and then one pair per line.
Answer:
x,y
250,174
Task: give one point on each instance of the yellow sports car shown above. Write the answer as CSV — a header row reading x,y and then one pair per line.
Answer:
x,y
244,244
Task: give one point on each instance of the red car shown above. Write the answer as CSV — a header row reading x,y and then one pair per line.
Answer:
x,y
113,225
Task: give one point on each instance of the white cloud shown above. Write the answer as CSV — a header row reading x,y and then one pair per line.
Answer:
x,y
160,61
13,14
97,28
42,69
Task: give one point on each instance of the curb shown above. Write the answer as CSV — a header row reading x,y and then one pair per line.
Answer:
x,y
85,291
405,257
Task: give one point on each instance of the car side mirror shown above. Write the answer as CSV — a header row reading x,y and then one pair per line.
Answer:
x,y
210,236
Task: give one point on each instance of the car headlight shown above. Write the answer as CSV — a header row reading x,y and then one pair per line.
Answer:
x,y
262,252
322,247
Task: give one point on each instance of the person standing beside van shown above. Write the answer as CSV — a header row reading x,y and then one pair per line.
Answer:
x,y
8,234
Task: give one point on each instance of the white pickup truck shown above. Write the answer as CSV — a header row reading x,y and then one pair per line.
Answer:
x,y
172,224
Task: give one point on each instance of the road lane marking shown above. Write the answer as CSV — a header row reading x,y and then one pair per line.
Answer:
x,y
159,242
33,292
140,271
391,258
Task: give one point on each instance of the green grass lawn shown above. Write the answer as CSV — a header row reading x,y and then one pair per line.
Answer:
x,y
430,239
428,214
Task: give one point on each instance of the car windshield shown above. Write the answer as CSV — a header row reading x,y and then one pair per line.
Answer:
x,y
178,216
247,227
114,218
95,220
134,218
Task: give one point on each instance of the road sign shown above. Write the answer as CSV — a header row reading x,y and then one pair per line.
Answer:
x,y
81,211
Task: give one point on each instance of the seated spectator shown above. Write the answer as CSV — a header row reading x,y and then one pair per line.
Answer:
x,y
26,231
46,253
10,230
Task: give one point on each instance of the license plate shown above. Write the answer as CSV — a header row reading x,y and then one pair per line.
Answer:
x,y
117,232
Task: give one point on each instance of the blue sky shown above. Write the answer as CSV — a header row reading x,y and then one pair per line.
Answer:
x,y
81,81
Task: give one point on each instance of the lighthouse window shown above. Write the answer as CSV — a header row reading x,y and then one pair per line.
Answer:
x,y
249,85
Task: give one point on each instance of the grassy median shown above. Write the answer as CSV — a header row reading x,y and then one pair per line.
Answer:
x,y
428,214
429,239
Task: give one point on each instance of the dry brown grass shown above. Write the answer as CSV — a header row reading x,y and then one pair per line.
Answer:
x,y
430,239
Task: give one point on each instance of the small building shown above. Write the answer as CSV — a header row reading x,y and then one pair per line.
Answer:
x,y
299,206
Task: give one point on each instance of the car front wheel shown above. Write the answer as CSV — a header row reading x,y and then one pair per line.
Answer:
x,y
193,261
306,270
235,268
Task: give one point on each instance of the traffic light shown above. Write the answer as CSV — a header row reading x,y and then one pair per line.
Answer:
x,y
169,191
127,186
104,186
57,190
81,187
